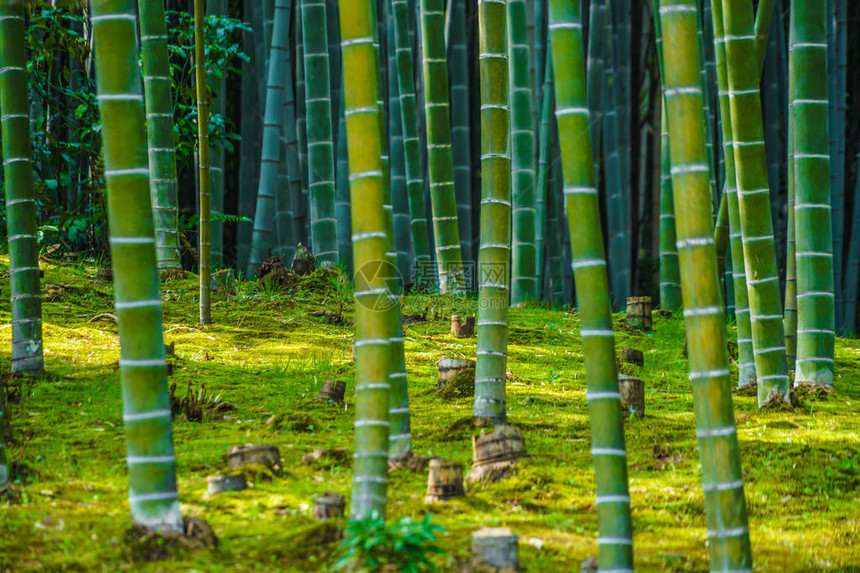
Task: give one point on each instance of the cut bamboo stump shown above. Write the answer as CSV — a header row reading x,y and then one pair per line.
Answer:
x,y
332,390
254,454
497,546
632,356
449,368
496,453
632,394
639,312
445,481
104,275
329,506
461,328
221,483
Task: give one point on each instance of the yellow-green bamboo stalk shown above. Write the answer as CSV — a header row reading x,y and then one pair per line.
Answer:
x,y
203,159
373,330
615,529
722,481
151,460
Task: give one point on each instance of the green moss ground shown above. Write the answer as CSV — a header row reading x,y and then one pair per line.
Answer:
x,y
267,354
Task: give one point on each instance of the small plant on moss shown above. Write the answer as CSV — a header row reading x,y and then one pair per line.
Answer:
x,y
403,545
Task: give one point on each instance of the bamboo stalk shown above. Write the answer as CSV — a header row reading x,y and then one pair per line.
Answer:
x,y
493,271
159,121
151,460
27,353
722,482
766,314
369,242
615,530
440,161
264,233
522,139
203,157
814,254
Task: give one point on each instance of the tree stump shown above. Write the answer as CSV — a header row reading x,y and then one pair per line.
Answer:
x,y
497,546
220,483
462,328
639,312
254,454
332,390
632,356
445,481
632,394
450,367
104,275
496,453
329,505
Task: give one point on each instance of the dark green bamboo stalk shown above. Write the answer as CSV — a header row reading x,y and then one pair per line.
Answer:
x,y
397,172
216,83
203,158
159,121
319,134
302,206
458,68
20,196
759,247
342,208
722,482
852,271
670,275
746,352
524,250
493,274
151,461
411,142
440,160
288,169
814,255
790,320
263,238
542,180
370,243
249,147
615,530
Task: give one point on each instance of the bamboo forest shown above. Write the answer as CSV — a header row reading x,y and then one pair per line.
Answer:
x,y
430,285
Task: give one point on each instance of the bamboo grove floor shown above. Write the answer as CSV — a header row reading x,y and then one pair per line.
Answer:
x,y
268,353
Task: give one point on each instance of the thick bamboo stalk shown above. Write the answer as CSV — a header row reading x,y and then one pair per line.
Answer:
x,y
302,205
159,121
790,316
27,356
203,158
746,353
615,530
151,461
319,133
411,142
458,69
264,233
754,201
814,255
495,250
370,243
440,160
522,139
722,482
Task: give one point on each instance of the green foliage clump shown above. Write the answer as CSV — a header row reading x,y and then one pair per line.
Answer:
x,y
403,545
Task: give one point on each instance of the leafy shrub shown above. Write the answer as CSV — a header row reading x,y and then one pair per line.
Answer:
x,y
404,545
